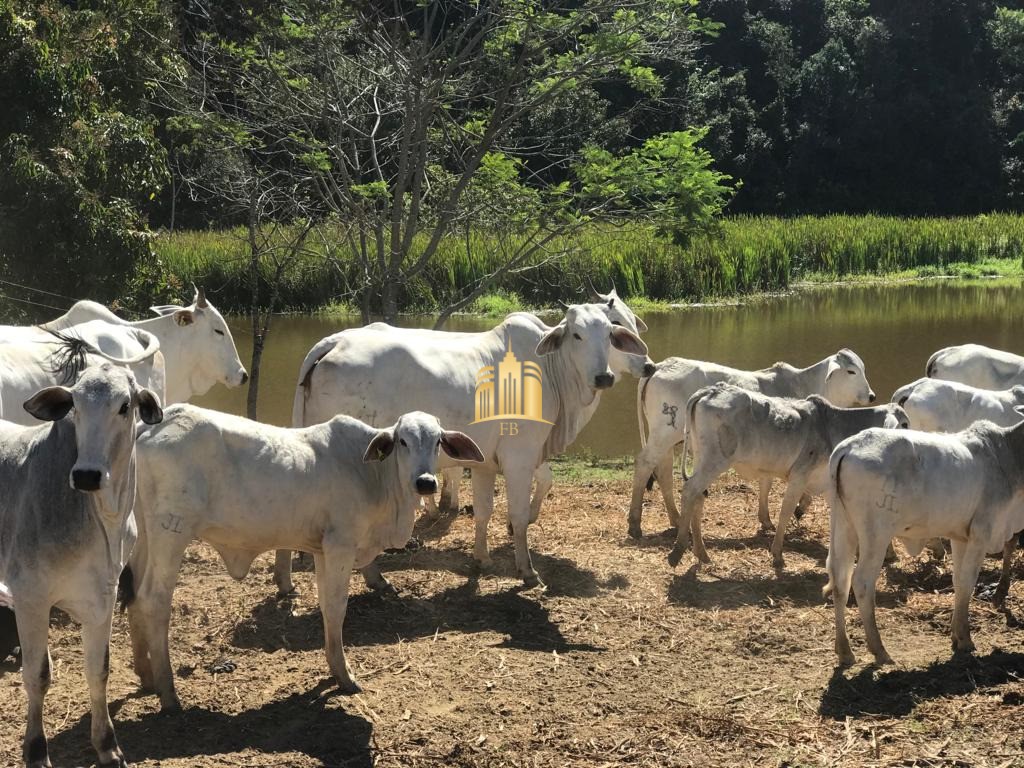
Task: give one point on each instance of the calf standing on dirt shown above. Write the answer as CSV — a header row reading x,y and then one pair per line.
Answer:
x,y
763,436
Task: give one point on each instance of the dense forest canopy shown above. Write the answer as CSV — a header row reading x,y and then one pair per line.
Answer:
x,y
763,106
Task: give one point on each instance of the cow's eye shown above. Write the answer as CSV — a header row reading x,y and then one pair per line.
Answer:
x,y
123,410
616,322
218,331
851,372
577,337
402,441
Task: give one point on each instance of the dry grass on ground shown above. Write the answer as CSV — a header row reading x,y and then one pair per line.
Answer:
x,y
620,662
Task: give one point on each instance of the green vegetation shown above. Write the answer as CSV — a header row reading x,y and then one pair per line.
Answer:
x,y
747,255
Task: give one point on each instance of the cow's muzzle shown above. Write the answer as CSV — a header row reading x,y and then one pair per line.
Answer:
x,y
871,397
649,369
426,485
86,479
245,378
604,380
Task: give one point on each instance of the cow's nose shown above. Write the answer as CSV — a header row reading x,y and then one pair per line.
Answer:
x,y
245,377
871,397
426,484
86,479
604,380
649,369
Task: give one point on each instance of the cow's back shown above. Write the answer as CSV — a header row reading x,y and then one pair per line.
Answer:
x,y
677,379
977,365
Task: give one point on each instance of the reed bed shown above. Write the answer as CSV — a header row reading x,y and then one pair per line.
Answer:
x,y
747,255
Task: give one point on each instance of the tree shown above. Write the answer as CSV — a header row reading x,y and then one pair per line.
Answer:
x,y
78,153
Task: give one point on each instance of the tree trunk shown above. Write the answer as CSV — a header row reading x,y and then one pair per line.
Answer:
x,y
259,340
389,301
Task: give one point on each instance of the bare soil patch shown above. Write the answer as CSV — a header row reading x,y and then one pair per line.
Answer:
x,y
621,661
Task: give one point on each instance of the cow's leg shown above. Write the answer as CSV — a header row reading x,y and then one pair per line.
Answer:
x,y
283,572
691,511
375,579
665,478
865,575
333,571
545,480
967,558
151,610
483,508
449,498
764,487
841,553
517,488
33,625
643,467
96,645
1003,588
794,492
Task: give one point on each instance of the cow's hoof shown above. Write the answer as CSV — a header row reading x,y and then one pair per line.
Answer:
x,y
883,660
349,687
383,588
846,660
287,593
676,555
171,708
532,580
635,531
703,557
799,512
778,563
117,762
963,649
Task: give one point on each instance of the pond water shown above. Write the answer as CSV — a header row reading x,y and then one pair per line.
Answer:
x,y
893,327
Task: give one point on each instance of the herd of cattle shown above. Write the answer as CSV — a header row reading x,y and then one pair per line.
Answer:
x,y
109,492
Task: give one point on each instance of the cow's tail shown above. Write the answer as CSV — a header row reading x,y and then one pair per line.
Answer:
x,y
901,395
691,404
313,357
126,586
842,535
929,368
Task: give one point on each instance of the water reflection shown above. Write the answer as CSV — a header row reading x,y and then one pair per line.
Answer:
x,y
893,327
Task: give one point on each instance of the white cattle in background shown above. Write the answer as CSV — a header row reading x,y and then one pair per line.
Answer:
x,y
46,359
68,489
791,439
967,487
195,341
366,374
936,405
977,365
341,490
662,398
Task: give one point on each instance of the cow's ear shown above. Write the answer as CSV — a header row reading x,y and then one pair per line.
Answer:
x,y
1019,409
833,366
380,447
149,407
164,309
551,340
641,326
184,317
50,404
626,341
460,446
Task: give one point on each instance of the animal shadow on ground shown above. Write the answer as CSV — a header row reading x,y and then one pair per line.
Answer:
x,y
897,692
798,540
746,589
303,722
374,620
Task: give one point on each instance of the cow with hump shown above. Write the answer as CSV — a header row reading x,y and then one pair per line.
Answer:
x,y
371,375
967,487
764,436
977,365
342,490
662,398
66,529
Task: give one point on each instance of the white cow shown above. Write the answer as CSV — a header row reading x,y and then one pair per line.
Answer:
x,y
977,365
195,341
341,490
662,398
369,374
46,359
935,405
764,436
967,487
68,488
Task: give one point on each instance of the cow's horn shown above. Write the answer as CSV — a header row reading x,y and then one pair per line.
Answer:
x,y
594,295
562,304
201,298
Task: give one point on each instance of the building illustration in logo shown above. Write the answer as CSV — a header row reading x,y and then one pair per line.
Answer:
x,y
509,390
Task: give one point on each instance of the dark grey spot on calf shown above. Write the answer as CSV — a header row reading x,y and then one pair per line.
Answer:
x,y
35,752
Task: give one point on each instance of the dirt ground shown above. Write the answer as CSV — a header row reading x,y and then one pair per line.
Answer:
x,y
620,661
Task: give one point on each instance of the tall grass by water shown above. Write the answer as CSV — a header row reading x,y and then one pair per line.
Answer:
x,y
748,255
